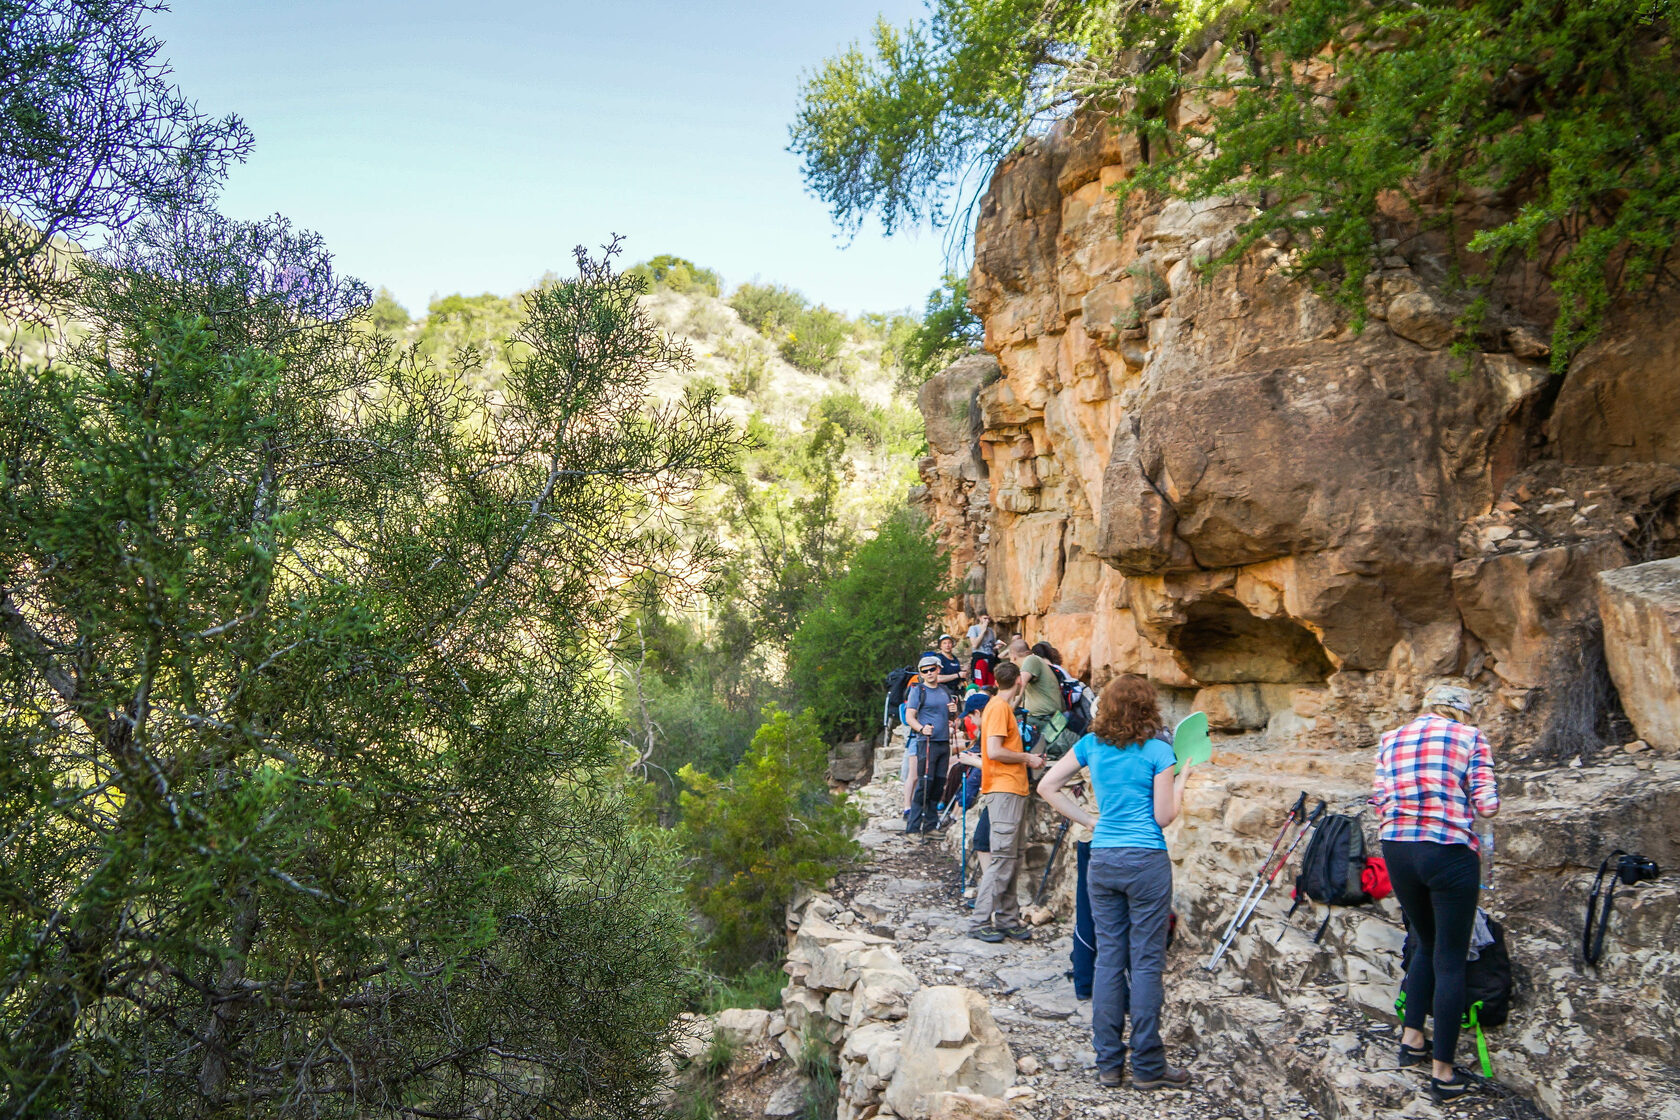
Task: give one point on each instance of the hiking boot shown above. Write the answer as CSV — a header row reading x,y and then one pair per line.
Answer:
x,y
1019,933
1173,1077
1110,1078
1451,1090
987,933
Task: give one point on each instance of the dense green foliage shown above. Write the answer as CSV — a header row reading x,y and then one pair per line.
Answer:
x,y
873,619
948,330
767,308
475,334
311,800
302,747
808,338
91,136
759,833
387,315
678,274
1334,121
879,427
313,776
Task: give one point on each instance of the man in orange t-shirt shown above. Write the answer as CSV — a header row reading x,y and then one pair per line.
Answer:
x,y
1003,790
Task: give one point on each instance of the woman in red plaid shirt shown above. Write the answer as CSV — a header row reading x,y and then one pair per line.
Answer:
x,y
1433,777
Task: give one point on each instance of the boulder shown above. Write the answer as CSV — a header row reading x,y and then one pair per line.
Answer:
x,y
1234,707
1619,402
788,1099
947,402
691,1035
875,1047
851,761
883,990
1423,319
743,1026
969,1106
1640,606
951,1044
1523,604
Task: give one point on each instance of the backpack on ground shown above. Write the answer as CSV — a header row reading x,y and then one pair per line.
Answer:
x,y
1333,868
898,684
1488,984
1078,701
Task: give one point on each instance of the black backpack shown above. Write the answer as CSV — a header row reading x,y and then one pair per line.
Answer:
x,y
1488,984
1333,869
898,684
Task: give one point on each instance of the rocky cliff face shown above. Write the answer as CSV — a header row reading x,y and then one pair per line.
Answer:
x,y
1297,526
1223,485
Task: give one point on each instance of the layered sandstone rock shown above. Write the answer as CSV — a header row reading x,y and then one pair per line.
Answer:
x,y
1219,482
1641,609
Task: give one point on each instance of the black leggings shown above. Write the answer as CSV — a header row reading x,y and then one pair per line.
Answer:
x,y
1437,886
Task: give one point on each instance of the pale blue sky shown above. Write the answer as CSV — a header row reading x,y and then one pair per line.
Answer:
x,y
445,147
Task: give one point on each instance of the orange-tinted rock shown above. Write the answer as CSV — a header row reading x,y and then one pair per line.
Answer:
x,y
1220,483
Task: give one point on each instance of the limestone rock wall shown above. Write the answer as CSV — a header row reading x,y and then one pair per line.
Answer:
x,y
1224,486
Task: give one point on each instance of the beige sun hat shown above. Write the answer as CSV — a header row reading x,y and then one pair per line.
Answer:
x,y
1453,696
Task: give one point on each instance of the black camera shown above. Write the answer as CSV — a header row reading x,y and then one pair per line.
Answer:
x,y
1634,868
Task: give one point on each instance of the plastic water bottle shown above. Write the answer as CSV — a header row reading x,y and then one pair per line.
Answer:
x,y
1485,837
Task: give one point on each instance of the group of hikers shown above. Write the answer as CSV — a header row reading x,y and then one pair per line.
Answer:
x,y
1433,777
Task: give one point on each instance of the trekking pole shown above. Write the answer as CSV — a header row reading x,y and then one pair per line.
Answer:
x,y
1244,915
1050,865
1297,813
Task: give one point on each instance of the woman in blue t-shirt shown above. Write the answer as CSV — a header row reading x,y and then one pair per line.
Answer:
x,y
1129,879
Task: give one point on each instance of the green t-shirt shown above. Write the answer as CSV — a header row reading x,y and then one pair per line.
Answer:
x,y
1044,693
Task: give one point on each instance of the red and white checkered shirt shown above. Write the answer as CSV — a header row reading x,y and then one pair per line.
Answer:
x,y
1429,774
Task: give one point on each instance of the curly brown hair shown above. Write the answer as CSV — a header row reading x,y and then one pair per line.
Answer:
x,y
1127,711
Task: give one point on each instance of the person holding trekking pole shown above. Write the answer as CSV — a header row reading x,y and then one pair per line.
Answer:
x,y
1129,878
927,712
1432,776
1004,764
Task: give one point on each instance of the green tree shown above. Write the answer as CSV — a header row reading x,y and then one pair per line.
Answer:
x,y
678,274
306,769
869,621
387,315
473,332
92,136
813,340
1552,123
758,834
948,330
769,309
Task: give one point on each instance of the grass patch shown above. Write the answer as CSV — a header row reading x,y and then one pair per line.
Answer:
x,y
759,986
822,1095
718,1055
694,1106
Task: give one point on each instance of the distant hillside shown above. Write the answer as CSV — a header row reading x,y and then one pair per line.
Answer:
x,y
781,375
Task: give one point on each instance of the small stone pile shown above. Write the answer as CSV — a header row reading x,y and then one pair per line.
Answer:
x,y
903,1047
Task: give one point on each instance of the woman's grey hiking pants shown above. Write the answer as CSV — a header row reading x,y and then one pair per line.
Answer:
x,y
1131,897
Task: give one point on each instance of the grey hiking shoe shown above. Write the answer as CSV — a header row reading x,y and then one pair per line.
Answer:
x,y
1111,1078
1019,933
987,933
1173,1077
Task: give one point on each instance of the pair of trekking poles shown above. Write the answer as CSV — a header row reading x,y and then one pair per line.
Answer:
x,y
1264,878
